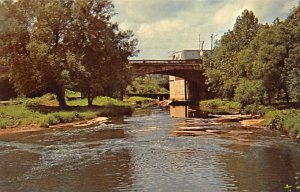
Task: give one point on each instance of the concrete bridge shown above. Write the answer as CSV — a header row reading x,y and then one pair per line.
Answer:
x,y
189,70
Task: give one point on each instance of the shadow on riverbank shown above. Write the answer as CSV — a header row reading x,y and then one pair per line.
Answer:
x,y
107,111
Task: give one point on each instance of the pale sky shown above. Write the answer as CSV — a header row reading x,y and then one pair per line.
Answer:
x,y
162,26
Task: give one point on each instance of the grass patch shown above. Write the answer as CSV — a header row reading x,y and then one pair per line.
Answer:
x,y
281,116
287,120
98,101
218,103
140,100
256,109
44,111
218,106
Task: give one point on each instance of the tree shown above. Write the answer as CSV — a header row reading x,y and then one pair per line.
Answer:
x,y
271,57
56,44
292,62
250,91
34,38
264,58
221,68
148,84
102,49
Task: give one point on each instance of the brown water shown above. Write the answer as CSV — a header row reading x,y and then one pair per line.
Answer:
x,y
138,153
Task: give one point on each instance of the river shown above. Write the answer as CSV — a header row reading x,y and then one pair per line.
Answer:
x,y
139,153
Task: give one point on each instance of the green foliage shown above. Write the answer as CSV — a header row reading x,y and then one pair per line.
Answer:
x,y
24,111
107,101
140,101
221,68
51,45
134,100
250,91
254,62
13,115
72,94
102,56
256,109
98,101
218,103
286,120
147,84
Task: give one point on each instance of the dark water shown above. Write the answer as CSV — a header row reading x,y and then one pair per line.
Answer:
x,y
139,153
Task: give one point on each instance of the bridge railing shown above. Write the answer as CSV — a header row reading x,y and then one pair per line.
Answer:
x,y
195,61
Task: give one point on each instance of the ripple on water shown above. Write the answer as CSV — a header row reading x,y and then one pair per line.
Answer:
x,y
135,156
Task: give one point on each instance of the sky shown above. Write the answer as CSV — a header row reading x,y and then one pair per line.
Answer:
x,y
164,26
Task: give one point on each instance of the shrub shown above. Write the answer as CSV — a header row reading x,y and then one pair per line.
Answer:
x,y
223,104
286,120
257,109
250,92
135,99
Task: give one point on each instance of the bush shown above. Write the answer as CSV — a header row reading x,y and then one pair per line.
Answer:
x,y
99,101
222,104
256,109
134,100
285,120
23,111
250,92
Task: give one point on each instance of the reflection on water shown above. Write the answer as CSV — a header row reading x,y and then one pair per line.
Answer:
x,y
139,154
187,111
262,167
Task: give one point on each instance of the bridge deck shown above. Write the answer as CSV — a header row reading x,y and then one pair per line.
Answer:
x,y
159,62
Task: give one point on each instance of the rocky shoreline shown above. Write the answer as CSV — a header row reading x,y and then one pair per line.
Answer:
x,y
35,128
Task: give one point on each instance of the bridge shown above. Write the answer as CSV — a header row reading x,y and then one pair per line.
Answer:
x,y
179,68
190,70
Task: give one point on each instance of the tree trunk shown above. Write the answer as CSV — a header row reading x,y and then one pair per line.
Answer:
x,y
89,98
121,95
90,102
287,96
270,100
60,95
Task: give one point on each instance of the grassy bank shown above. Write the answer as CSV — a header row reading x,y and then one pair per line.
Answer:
x,y
44,111
218,106
140,101
280,116
287,120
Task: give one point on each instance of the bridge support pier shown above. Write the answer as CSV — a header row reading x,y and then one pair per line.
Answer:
x,y
196,90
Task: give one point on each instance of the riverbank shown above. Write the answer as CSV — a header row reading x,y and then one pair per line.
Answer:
x,y
212,125
36,127
283,117
43,112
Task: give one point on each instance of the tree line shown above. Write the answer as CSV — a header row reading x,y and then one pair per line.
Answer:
x,y
257,63
51,45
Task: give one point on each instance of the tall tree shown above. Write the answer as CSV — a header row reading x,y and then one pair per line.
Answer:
x,y
291,73
34,37
273,58
54,44
222,68
103,49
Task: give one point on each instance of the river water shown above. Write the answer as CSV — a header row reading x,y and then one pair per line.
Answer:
x,y
139,153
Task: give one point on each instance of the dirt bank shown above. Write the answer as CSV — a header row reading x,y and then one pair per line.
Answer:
x,y
34,128
202,127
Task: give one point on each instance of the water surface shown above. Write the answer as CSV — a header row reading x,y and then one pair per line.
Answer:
x,y
139,153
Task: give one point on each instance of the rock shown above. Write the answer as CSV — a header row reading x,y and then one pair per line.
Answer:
x,y
215,131
190,133
191,129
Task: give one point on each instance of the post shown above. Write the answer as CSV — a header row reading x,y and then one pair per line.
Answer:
x,y
211,41
185,90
